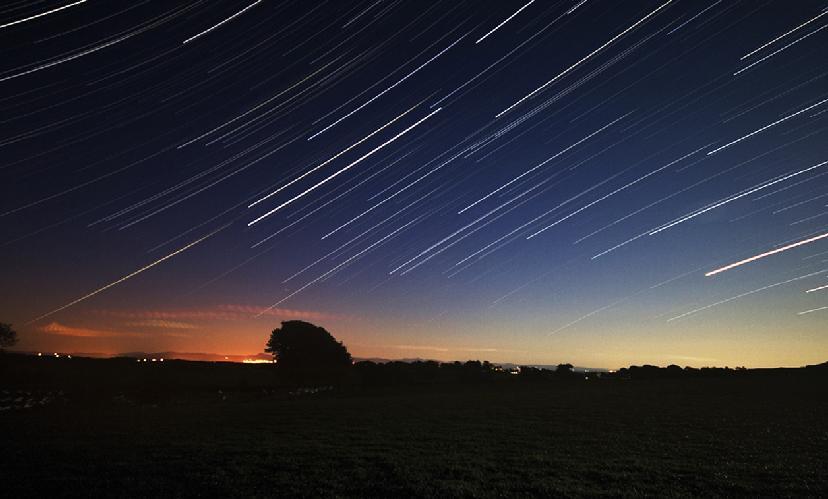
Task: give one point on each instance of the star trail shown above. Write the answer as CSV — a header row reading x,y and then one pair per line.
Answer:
x,y
587,181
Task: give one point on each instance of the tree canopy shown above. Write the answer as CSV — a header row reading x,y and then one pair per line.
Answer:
x,y
303,346
8,336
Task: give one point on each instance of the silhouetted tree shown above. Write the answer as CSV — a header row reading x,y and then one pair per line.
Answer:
x,y
302,347
8,336
564,369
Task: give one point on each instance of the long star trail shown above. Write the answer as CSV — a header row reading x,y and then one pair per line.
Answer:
x,y
340,265
488,170
332,158
594,312
82,53
685,23
762,129
530,2
344,169
37,16
784,47
730,199
386,90
225,21
395,194
354,239
583,59
783,35
126,277
747,293
612,193
544,162
254,108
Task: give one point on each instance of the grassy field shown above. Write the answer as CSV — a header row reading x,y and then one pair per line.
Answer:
x,y
764,434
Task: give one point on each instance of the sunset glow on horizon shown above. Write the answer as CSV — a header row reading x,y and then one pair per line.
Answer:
x,y
603,184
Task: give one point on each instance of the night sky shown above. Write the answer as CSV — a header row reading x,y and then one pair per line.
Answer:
x,y
534,182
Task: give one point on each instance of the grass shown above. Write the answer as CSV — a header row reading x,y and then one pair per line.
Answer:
x,y
732,436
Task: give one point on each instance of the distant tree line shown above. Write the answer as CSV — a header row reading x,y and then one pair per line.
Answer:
x,y
308,356
673,371
471,371
306,353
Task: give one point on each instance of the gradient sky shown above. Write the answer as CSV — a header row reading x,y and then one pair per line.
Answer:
x,y
529,182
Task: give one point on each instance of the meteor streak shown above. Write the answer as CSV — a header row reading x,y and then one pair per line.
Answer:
x,y
768,253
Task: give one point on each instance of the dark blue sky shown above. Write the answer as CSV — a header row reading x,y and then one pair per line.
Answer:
x,y
518,181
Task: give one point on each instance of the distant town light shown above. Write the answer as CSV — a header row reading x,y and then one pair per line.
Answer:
x,y
39,354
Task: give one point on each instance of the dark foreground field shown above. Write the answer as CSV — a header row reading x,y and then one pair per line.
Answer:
x,y
762,434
